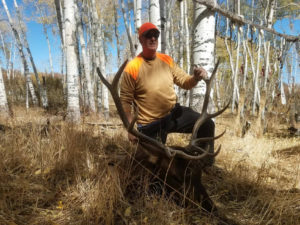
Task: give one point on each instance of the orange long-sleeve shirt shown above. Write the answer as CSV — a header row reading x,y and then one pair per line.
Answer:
x,y
149,84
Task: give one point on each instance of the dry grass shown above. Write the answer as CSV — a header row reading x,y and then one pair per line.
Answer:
x,y
66,174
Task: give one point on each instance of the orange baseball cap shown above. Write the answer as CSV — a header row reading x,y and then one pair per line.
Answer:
x,y
146,27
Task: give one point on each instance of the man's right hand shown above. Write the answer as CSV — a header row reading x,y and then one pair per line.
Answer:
x,y
133,139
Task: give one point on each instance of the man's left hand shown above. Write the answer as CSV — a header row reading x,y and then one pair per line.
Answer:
x,y
200,73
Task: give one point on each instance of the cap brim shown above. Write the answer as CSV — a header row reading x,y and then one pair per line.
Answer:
x,y
147,31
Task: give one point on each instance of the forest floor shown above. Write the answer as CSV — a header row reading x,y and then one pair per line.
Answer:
x,y
52,172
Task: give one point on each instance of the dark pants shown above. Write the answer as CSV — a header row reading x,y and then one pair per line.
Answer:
x,y
180,120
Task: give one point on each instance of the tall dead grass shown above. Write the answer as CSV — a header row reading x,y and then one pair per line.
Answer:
x,y
82,174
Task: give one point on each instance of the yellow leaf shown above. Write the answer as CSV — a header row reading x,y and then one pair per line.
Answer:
x,y
145,220
60,205
127,212
38,172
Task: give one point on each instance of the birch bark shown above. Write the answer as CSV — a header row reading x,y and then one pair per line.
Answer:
x,y
256,92
168,28
282,59
96,43
154,17
73,110
4,53
60,24
117,33
268,19
163,17
203,50
43,97
22,55
103,71
4,111
138,23
86,63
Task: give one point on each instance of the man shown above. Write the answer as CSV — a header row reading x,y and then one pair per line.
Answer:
x,y
147,82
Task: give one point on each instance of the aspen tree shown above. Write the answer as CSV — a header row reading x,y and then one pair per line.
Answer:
x,y
44,23
203,50
154,17
86,63
42,95
138,23
4,111
29,84
127,27
117,33
73,110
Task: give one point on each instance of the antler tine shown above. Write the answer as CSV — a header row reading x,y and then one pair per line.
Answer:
x,y
114,93
220,111
119,73
184,155
204,114
199,140
208,87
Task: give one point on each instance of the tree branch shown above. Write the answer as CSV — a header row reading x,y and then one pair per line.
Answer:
x,y
212,5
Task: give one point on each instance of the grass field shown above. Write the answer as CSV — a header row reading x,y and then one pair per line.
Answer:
x,y
59,173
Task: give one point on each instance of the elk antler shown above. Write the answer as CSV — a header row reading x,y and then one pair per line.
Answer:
x,y
154,145
205,115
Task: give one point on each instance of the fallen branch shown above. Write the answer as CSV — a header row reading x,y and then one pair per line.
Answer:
x,y
241,21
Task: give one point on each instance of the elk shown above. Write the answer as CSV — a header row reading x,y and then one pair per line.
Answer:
x,y
180,167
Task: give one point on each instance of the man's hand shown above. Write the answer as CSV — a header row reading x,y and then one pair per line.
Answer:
x,y
200,74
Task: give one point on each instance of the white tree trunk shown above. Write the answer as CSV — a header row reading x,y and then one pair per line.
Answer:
x,y
9,60
235,98
49,49
170,48
138,23
271,6
86,63
138,13
4,53
22,55
96,43
103,68
43,97
245,59
187,47
117,33
4,111
73,109
181,35
168,33
12,59
154,17
282,56
47,39
234,66
256,92
203,50
163,19
124,13
60,24
187,37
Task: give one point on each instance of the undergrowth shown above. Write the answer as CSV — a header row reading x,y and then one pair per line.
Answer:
x,y
60,173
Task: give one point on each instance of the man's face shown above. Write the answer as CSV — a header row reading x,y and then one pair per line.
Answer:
x,y
149,40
